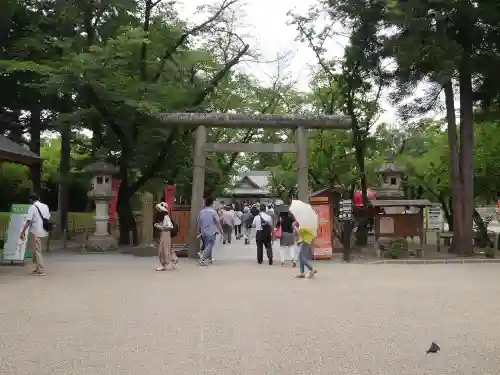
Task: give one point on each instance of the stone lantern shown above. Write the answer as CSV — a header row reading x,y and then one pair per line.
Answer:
x,y
390,181
102,192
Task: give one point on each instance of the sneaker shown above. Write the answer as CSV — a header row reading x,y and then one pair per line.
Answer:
x,y
38,273
313,272
203,262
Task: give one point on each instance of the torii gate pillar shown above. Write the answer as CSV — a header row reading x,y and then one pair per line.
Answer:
x,y
302,165
197,189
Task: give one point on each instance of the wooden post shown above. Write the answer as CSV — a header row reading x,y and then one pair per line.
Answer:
x,y
423,234
197,189
303,172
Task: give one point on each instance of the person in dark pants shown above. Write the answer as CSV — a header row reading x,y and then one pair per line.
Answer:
x,y
263,235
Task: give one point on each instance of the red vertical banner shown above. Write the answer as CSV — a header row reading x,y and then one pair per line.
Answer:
x,y
169,195
115,186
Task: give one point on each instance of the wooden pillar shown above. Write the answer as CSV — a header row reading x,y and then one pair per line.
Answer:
x,y
302,164
197,189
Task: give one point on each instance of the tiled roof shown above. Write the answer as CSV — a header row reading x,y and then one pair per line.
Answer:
x,y
239,191
260,178
15,153
401,203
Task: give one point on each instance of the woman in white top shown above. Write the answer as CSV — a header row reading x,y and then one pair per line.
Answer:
x,y
166,255
237,222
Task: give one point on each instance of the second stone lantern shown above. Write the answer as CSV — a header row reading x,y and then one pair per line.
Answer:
x,y
102,175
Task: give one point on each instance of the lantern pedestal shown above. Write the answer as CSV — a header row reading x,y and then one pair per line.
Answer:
x,y
101,240
101,243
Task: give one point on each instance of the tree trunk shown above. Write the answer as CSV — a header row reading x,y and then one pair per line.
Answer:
x,y
484,239
35,129
363,217
96,127
448,214
450,217
456,186
64,177
126,215
95,122
346,239
466,156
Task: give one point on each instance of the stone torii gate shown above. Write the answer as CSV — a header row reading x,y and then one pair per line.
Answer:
x,y
201,121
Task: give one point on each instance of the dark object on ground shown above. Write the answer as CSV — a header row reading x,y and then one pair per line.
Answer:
x,y
433,349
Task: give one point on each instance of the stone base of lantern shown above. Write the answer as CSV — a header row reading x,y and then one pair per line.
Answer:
x,y
101,243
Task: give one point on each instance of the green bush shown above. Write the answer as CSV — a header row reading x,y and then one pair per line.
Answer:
x,y
398,247
490,252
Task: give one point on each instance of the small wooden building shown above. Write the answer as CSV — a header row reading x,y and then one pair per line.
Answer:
x,y
15,153
403,224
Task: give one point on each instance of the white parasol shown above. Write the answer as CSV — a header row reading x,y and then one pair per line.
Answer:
x,y
305,215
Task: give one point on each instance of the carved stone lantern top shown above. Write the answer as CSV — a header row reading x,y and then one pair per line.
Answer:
x,y
390,166
101,166
102,173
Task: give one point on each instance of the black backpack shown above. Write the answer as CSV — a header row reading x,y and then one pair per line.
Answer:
x,y
266,226
175,230
46,223
249,222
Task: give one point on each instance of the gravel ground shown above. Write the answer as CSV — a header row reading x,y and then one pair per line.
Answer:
x,y
112,314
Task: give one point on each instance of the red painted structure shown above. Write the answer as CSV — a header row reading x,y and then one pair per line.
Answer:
x,y
169,195
357,197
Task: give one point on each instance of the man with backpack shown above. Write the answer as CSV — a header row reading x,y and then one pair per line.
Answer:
x,y
263,235
38,220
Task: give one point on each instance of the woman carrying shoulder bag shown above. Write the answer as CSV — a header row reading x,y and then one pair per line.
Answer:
x,y
286,231
166,255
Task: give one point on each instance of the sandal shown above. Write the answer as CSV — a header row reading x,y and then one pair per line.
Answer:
x,y
161,268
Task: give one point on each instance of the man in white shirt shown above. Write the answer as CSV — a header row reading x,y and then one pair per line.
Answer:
x,y
263,235
227,224
38,234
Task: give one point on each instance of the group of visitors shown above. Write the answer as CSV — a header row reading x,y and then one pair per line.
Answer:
x,y
238,219
210,223
262,219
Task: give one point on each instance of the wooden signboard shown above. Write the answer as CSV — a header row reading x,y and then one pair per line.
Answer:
x,y
434,218
399,225
386,225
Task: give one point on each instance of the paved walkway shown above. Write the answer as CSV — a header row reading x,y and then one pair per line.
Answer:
x,y
112,314
237,250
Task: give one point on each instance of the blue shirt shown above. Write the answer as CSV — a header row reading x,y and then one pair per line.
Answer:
x,y
207,221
